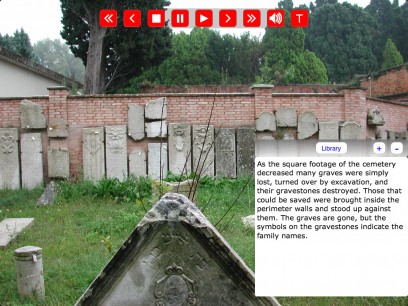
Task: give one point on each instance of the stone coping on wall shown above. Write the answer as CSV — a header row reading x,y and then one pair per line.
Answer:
x,y
247,94
388,101
293,94
24,98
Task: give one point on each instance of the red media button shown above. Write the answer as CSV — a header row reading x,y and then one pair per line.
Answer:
x,y
275,18
132,18
252,18
155,18
204,18
300,18
228,18
108,18
179,18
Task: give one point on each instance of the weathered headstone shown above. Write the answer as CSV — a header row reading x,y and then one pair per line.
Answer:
x,y
404,135
180,148
249,221
397,135
307,125
381,134
391,135
48,196
328,130
136,121
225,156
58,163
137,163
31,115
116,152
245,151
93,152
32,174
350,131
57,128
175,256
157,161
203,150
266,121
156,109
11,227
374,117
9,161
156,129
286,117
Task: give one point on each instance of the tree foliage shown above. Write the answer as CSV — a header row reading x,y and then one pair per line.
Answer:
x,y
18,43
391,56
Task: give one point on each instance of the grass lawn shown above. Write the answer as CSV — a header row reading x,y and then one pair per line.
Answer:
x,y
88,223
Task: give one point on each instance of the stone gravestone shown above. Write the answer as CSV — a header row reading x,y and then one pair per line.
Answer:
x,y
11,227
48,196
32,174
328,130
137,163
374,117
225,157
266,121
180,148
350,131
93,153
116,152
31,115
58,163
404,135
57,128
203,150
175,256
307,125
157,161
245,151
286,117
156,109
391,135
9,161
381,134
156,129
136,121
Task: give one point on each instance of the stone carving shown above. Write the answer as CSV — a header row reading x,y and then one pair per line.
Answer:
x,y
307,125
374,117
286,117
350,131
136,121
203,150
156,109
225,155
57,128
381,134
328,130
266,121
245,151
157,161
156,129
58,163
116,152
9,160
48,196
93,153
31,160
137,163
32,116
180,148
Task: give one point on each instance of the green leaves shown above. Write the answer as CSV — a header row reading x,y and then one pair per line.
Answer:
x,y
391,56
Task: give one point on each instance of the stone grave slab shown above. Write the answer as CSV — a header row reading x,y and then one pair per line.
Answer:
x,y
381,134
57,128
137,163
397,135
391,135
136,121
328,130
175,256
58,163
9,160
375,117
156,129
180,148
32,174
404,135
307,125
350,131
266,121
286,117
225,153
93,153
156,109
157,160
203,150
11,227
116,152
245,151
48,196
31,115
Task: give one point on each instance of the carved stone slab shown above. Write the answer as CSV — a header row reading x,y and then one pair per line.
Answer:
x,y
137,163
156,109
245,151
180,148
375,117
156,129
93,153
136,121
350,131
203,150
175,257
225,154
266,121
57,128
328,130
157,161
32,116
116,152
307,125
58,163
9,161
32,174
11,227
286,117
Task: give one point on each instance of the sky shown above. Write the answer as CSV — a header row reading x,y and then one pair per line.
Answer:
x,y
42,18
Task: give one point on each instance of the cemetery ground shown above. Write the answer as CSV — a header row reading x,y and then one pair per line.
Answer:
x,y
89,221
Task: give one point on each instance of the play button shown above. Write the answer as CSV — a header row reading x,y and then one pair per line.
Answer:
x,y
204,18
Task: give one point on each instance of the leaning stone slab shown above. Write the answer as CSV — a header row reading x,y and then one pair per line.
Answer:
x,y
375,117
180,148
10,228
156,109
245,151
266,121
58,163
157,161
48,196
225,153
32,174
31,115
137,163
93,153
9,161
136,121
328,130
286,117
175,256
350,131
203,150
156,129
307,125
116,152
57,128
